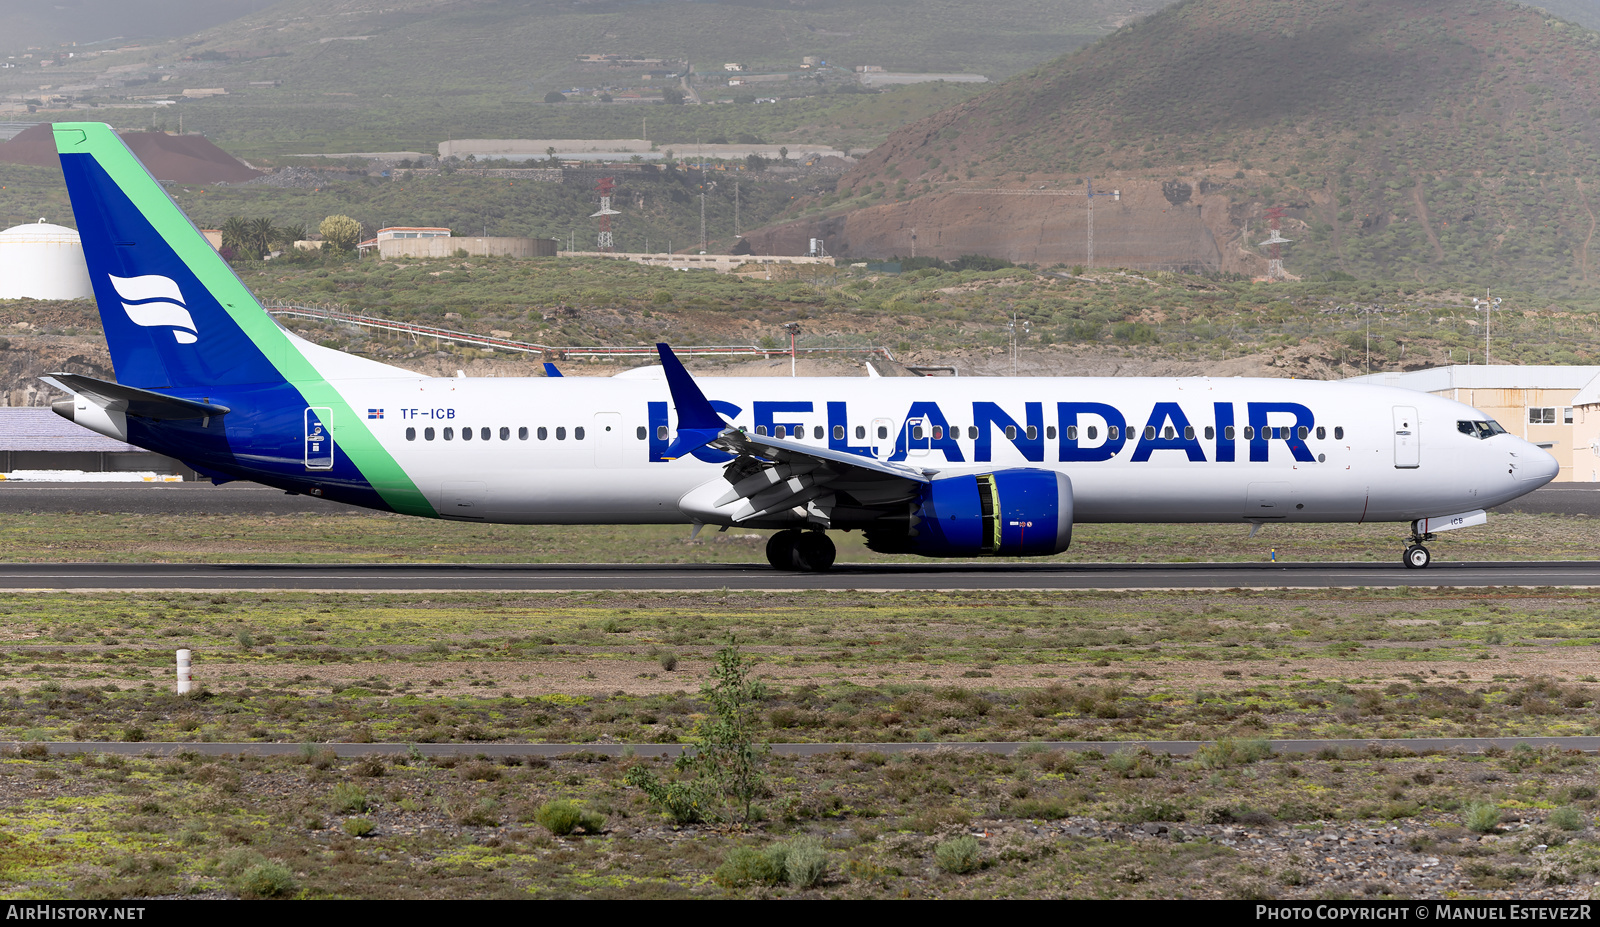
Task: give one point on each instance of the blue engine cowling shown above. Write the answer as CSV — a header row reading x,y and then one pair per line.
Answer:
x,y
1009,513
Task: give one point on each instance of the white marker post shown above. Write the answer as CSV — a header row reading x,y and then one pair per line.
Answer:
x,y
185,673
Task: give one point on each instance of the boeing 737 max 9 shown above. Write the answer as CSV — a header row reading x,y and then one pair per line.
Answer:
x,y
938,467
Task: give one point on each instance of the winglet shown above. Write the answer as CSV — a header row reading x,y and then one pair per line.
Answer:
x,y
550,370
698,423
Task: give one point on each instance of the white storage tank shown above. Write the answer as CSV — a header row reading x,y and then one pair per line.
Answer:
x,y
42,261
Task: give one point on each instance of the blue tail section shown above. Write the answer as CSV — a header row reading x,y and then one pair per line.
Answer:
x,y
163,291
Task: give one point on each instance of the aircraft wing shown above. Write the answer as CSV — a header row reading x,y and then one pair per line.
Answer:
x,y
780,480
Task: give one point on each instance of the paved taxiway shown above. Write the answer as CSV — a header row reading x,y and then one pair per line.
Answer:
x,y
703,577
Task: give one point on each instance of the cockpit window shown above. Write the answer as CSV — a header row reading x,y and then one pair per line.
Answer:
x,y
1480,430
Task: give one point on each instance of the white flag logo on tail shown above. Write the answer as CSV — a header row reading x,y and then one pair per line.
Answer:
x,y
154,301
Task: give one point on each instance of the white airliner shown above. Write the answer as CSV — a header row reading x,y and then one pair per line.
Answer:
x,y
938,467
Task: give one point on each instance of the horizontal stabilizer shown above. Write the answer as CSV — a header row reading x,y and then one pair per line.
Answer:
x,y
132,400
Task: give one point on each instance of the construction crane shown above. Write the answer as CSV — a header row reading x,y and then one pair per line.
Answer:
x,y
1088,193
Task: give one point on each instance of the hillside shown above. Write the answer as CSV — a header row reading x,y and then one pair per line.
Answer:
x,y
1407,139
312,75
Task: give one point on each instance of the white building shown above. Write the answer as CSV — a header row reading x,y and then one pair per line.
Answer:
x,y
42,261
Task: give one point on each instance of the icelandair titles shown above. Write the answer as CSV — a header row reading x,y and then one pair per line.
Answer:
x,y
1081,431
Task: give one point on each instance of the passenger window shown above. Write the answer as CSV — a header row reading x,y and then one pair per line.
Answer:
x,y
577,434
761,430
661,433
1322,432
1149,432
1033,432
1011,432
561,434
938,432
861,432
972,432
640,433
1188,432
1072,432
916,432
1338,432
883,432
1211,432
1049,432
427,434
505,433
1303,431
522,433
1249,433
1168,432
411,434
816,432
1112,433
1228,433
466,433
449,433
484,433
543,433
838,432
1091,431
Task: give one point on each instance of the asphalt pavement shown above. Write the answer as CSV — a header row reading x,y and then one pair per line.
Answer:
x,y
921,575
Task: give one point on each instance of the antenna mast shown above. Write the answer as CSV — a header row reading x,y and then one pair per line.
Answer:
x,y
603,241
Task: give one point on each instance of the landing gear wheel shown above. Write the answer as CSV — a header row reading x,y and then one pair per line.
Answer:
x,y
813,553
780,549
1417,557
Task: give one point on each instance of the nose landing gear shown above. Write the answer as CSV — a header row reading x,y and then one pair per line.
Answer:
x,y
1416,556
801,551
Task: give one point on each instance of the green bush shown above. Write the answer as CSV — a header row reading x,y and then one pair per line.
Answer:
x,y
802,863
1567,818
747,866
806,864
269,879
349,798
1225,753
563,817
958,855
358,827
1482,818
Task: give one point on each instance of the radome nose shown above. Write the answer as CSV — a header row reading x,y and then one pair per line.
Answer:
x,y
1537,465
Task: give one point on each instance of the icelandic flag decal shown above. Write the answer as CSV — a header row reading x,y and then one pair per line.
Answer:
x,y
374,413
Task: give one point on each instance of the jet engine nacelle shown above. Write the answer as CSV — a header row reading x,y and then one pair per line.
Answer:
x,y
1008,513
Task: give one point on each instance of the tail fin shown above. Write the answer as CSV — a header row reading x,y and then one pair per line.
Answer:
x,y
175,314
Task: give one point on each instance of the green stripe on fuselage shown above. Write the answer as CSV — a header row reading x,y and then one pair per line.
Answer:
x,y
353,437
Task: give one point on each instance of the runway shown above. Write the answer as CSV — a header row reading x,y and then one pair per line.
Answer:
x,y
749,577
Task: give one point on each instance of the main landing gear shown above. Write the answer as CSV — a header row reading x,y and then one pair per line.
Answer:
x,y
1416,556
802,551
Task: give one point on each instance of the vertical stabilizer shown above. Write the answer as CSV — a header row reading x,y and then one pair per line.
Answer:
x,y
175,314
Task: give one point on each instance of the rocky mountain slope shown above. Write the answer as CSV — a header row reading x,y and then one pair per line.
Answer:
x,y
1406,139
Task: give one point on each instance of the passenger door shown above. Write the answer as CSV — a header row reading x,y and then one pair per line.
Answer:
x,y
608,440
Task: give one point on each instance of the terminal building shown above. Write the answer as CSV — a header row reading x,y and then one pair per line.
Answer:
x,y
1557,408
36,443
